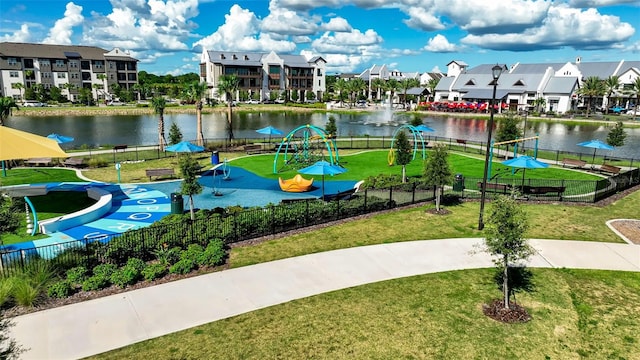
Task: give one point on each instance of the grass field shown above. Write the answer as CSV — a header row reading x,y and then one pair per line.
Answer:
x,y
576,314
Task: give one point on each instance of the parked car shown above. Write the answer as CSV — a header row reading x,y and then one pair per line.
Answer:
x,y
252,101
116,103
33,104
632,111
279,101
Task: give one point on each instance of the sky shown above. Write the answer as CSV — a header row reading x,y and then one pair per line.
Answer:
x,y
168,36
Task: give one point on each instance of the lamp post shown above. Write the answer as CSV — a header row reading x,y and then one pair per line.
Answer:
x,y
496,71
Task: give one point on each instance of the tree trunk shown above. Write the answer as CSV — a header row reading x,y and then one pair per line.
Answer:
x,y
505,283
229,121
199,135
191,208
404,174
438,192
161,141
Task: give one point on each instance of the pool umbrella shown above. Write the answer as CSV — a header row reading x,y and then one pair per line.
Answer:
x,y
184,146
525,162
269,130
60,139
424,128
596,144
322,168
18,144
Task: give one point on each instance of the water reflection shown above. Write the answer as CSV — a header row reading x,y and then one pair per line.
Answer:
x,y
142,129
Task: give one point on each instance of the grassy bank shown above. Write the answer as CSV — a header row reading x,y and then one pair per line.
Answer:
x,y
576,314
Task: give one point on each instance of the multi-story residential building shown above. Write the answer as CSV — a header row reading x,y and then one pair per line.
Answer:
x,y
383,73
521,84
67,67
265,75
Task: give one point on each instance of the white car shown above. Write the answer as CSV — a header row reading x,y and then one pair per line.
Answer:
x,y
631,112
252,101
33,104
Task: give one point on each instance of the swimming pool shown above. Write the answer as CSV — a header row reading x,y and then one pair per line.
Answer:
x,y
246,189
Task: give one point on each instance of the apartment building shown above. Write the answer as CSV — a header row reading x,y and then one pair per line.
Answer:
x,y
67,67
265,75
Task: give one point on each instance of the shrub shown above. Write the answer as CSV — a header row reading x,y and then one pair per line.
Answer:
x,y
183,266
136,264
154,271
192,253
96,162
95,282
25,293
213,255
77,275
127,275
168,256
6,290
9,217
39,272
104,270
60,289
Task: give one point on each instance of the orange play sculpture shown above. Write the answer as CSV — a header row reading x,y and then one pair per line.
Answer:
x,y
297,184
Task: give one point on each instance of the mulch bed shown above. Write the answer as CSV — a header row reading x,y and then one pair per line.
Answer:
x,y
514,314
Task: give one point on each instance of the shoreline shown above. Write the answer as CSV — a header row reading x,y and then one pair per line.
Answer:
x,y
190,109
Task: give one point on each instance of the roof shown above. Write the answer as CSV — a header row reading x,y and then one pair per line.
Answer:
x,y
626,65
295,61
600,69
235,58
561,85
445,83
459,62
486,94
417,91
535,68
29,50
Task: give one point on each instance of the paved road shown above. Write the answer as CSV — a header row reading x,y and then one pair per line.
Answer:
x,y
96,326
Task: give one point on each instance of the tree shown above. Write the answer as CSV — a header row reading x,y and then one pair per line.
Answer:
x,y
436,170
195,92
611,84
189,168
19,86
431,85
392,86
617,135
56,94
504,238
159,104
508,128
592,87
539,103
635,92
405,85
416,120
403,153
354,87
377,85
175,135
331,128
340,87
228,85
9,348
6,105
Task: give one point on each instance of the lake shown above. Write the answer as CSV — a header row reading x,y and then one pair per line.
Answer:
x,y
142,129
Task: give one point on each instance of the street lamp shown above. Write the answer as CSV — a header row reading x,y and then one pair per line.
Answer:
x,y
495,72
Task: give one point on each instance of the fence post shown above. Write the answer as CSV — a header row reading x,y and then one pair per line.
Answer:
x,y
413,193
390,197
306,212
273,220
365,201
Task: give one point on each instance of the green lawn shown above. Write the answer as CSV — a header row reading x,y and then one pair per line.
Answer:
x,y
37,175
576,314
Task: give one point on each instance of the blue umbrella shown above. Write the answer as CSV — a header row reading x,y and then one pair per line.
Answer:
x,y
596,144
322,168
60,139
525,162
269,130
424,128
184,146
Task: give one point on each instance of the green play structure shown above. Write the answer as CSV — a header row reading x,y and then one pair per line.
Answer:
x,y
418,142
304,146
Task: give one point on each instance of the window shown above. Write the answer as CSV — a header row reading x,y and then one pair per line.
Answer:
x,y
111,64
74,76
319,72
85,65
73,64
131,77
14,74
44,61
59,62
12,61
61,75
98,65
274,69
46,75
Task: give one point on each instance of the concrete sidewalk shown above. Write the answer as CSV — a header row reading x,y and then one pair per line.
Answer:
x,y
96,326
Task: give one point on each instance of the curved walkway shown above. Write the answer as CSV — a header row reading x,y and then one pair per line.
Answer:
x,y
100,325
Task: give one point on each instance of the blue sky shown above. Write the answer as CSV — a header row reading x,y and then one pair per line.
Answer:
x,y
167,36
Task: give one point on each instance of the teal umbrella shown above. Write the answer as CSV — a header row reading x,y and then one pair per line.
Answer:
x,y
322,168
596,144
184,146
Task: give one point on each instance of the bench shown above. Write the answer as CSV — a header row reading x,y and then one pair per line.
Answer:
x,y
253,149
462,142
542,190
74,162
160,172
503,188
573,162
610,169
39,161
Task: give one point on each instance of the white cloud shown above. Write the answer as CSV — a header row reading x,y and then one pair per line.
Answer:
x,y
337,24
341,63
436,69
346,43
288,22
599,3
22,35
564,26
62,30
241,32
440,44
422,19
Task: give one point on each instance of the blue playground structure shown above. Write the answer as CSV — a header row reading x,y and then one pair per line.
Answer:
x,y
304,146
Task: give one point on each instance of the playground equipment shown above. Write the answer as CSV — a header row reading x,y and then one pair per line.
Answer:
x,y
515,150
305,145
295,184
418,140
224,170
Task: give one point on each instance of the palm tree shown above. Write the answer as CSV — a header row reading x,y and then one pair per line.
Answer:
x,y
539,103
405,85
377,84
354,86
228,85
431,85
611,84
20,87
635,91
392,86
159,103
592,87
103,77
195,92
340,87
6,104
